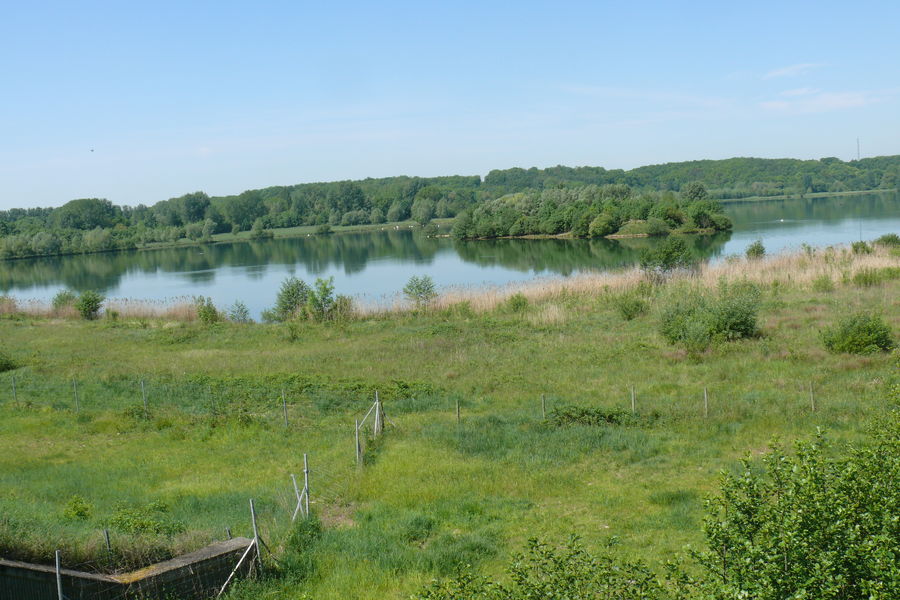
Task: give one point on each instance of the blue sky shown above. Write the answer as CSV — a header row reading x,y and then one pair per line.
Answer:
x,y
227,96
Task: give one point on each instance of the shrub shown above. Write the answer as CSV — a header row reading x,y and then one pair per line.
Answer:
x,y
324,228
657,227
238,313
756,250
860,333
518,302
861,248
63,299
889,239
320,300
823,283
206,310
6,362
88,304
77,509
872,277
420,290
291,297
671,254
343,309
150,519
630,305
695,319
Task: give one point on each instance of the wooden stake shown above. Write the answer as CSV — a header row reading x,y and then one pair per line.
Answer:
x,y
58,578
106,537
543,407
812,397
633,410
705,404
144,396
75,392
284,406
228,532
457,411
306,485
15,395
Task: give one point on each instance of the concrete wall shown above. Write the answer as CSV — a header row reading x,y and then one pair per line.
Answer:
x,y
193,576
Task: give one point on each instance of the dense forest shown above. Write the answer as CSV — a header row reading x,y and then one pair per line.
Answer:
x,y
552,200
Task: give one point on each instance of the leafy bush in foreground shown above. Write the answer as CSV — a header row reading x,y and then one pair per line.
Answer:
x,y
808,525
292,296
889,239
756,250
630,305
63,299
860,333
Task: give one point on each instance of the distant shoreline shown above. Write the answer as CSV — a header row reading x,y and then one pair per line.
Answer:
x,y
802,196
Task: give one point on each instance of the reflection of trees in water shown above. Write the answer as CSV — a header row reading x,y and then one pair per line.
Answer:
x,y
565,257
316,254
798,212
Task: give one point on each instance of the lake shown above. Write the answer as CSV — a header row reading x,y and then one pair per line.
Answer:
x,y
373,266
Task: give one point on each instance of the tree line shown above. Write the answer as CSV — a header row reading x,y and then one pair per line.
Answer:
x,y
96,225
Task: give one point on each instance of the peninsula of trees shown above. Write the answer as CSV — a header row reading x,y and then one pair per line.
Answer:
x,y
581,200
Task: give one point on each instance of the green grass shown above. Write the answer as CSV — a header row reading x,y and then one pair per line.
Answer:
x,y
434,494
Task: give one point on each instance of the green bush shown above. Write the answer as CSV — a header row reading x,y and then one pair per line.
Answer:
x,y
518,302
63,299
671,254
150,519
77,509
860,333
320,300
6,362
88,304
630,305
420,291
206,311
823,283
694,318
861,248
756,250
239,313
324,228
889,239
292,296
872,277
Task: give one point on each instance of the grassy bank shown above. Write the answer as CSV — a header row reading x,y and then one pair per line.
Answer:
x,y
434,494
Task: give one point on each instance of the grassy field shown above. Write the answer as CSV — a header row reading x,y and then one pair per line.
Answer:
x,y
434,494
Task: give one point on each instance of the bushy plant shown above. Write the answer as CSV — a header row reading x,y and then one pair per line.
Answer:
x,y
88,304
859,333
150,519
806,525
823,283
694,318
63,299
420,290
6,362
292,296
77,509
889,239
861,248
320,300
671,254
518,302
755,250
206,310
630,305
239,313
324,228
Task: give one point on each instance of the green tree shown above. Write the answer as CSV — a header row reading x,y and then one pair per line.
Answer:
x,y
420,290
320,300
291,296
88,304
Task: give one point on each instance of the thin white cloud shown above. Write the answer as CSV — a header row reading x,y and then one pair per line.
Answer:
x,y
799,92
792,70
814,101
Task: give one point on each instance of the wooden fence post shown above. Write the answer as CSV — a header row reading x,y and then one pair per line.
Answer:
x,y
75,392
633,408
15,394
379,416
144,396
255,536
306,485
457,411
812,397
544,407
284,406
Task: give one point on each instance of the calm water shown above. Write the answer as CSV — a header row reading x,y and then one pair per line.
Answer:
x,y
376,265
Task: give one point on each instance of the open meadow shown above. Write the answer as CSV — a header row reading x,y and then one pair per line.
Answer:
x,y
168,468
